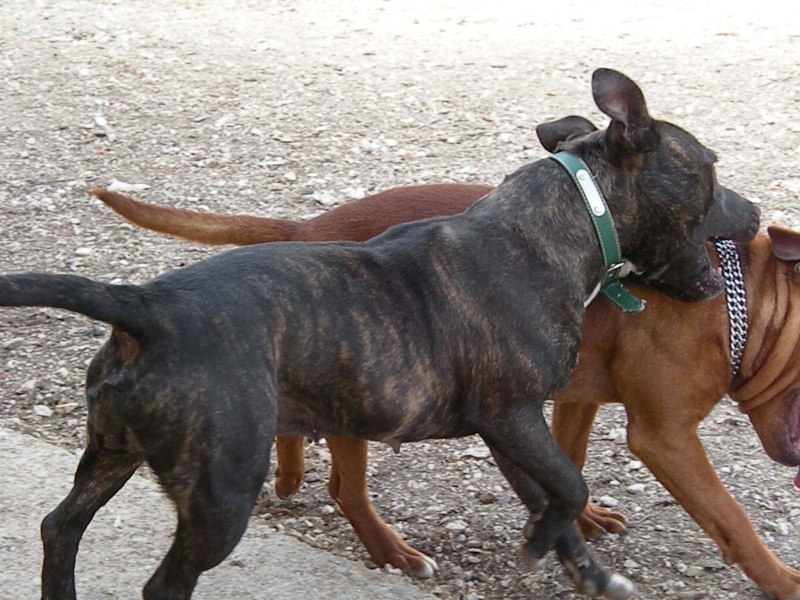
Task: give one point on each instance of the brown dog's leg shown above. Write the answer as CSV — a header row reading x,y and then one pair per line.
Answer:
x,y
348,487
667,442
572,422
291,465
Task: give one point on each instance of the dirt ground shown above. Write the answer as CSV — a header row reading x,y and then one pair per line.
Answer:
x,y
287,107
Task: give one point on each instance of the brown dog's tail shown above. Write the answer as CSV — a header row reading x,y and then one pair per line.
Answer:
x,y
206,228
122,306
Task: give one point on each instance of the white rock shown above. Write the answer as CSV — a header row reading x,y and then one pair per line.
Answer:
x,y
66,408
636,489
476,452
42,410
122,186
456,526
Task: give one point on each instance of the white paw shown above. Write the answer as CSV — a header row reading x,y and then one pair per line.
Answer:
x,y
619,588
427,570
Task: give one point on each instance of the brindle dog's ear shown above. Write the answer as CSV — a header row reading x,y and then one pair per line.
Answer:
x,y
127,347
632,128
785,243
553,133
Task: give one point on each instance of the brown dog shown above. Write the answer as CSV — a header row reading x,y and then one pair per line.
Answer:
x,y
688,372
690,379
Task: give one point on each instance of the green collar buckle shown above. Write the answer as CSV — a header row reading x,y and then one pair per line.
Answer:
x,y
606,232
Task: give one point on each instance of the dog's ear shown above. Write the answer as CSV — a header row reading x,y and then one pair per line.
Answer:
x,y
785,243
620,98
127,347
551,134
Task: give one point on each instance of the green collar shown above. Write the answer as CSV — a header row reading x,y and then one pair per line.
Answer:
x,y
606,232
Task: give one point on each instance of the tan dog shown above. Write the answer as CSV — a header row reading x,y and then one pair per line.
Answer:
x,y
690,377
688,371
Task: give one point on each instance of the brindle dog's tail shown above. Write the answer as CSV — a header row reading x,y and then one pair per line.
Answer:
x,y
206,228
122,306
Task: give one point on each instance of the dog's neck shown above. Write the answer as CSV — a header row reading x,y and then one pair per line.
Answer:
x,y
769,366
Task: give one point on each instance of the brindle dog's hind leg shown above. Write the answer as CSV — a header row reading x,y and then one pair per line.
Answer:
x,y
554,493
101,474
214,488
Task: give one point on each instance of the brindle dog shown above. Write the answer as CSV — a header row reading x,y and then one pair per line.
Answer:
x,y
439,328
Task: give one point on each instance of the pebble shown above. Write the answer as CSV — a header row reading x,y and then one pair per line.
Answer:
x,y
607,501
457,526
476,452
42,410
13,343
636,489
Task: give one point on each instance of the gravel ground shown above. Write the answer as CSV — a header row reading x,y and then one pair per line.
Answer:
x,y
287,107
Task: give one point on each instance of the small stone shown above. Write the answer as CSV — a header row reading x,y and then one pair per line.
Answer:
x,y
26,387
693,571
42,410
125,188
476,452
630,564
391,570
607,501
66,408
324,197
457,526
13,343
636,489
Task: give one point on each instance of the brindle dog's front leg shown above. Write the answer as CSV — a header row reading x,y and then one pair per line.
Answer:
x,y
554,492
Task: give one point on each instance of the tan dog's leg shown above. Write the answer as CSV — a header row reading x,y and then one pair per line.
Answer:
x,y
666,441
572,422
348,487
291,465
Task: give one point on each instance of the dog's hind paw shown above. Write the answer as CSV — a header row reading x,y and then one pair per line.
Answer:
x,y
427,568
619,588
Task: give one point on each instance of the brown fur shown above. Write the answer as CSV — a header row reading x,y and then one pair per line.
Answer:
x,y
357,220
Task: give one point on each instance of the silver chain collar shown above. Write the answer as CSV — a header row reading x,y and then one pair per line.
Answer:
x,y
735,299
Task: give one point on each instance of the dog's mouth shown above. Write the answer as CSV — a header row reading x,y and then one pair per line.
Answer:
x,y
708,284
792,445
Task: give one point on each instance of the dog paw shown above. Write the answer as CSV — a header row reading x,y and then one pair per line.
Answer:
x,y
287,484
425,567
788,588
532,560
407,560
596,521
619,588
